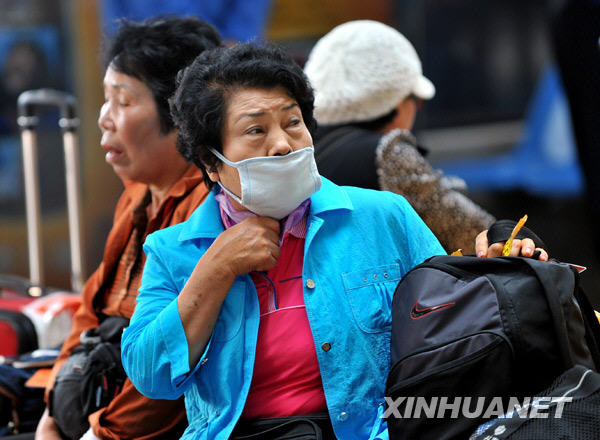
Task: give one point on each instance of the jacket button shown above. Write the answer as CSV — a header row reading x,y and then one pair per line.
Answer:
x,y
326,346
310,284
343,416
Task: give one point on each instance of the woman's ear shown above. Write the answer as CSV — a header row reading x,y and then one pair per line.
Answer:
x,y
406,111
213,172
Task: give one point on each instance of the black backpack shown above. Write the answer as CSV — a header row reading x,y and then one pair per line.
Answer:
x,y
570,411
466,328
89,379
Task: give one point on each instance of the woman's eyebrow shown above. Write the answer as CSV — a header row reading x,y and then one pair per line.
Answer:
x,y
120,86
290,106
262,113
251,115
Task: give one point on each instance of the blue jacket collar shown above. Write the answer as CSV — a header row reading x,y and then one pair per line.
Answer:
x,y
329,198
206,222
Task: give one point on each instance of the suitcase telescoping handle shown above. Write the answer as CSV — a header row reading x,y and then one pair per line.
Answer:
x,y
28,103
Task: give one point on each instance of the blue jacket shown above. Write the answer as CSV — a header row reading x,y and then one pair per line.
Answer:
x,y
359,244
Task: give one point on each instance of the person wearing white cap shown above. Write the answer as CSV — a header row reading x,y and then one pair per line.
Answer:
x,y
369,86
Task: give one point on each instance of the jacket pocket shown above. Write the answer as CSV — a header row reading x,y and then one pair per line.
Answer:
x,y
370,294
232,310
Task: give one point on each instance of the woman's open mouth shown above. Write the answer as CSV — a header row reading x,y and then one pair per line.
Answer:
x,y
112,154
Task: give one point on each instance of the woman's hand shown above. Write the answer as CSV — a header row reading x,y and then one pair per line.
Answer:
x,y
524,247
47,429
251,245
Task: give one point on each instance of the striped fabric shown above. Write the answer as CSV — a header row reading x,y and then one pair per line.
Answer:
x,y
119,298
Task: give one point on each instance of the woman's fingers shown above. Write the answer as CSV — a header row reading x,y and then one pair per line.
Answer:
x,y
495,250
543,254
481,244
525,247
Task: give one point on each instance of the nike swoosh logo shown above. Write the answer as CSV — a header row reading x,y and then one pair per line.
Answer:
x,y
417,313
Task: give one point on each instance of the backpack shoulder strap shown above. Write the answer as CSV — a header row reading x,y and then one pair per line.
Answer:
x,y
592,326
556,310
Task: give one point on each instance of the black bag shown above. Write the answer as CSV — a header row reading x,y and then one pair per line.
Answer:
x,y
20,406
466,327
573,413
306,427
89,379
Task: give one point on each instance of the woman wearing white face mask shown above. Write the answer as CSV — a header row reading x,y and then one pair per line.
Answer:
x,y
270,307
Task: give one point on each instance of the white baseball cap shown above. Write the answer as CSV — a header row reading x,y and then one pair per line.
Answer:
x,y
361,70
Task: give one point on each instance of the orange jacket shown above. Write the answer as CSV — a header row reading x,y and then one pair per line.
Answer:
x,y
131,415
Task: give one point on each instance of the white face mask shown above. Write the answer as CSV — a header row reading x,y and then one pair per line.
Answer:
x,y
273,186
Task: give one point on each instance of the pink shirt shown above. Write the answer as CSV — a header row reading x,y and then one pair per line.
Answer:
x,y
286,379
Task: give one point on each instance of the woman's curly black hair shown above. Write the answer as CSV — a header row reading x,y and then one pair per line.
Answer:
x,y
154,50
199,104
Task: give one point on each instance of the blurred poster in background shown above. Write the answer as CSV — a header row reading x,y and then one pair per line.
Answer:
x,y
31,57
236,20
